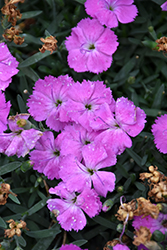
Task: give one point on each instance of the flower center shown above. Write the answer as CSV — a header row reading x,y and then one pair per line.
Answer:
x,y
91,46
90,171
164,223
88,106
87,142
58,103
56,153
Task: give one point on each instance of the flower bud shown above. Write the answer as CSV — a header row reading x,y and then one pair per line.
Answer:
x,y
131,80
162,207
158,236
151,28
120,228
107,205
120,189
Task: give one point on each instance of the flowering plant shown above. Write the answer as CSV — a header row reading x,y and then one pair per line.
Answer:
x,y
82,117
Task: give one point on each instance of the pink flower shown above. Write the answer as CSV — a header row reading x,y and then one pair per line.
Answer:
x,y
159,130
150,223
109,12
85,99
121,247
70,247
48,101
78,176
164,6
75,138
8,66
69,207
127,120
20,140
4,111
46,156
91,46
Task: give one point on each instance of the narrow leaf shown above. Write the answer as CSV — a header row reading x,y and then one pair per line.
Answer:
x,y
2,223
35,58
30,14
37,206
14,198
7,168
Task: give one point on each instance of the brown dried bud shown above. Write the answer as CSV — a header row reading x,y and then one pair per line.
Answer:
x,y
15,227
18,40
162,44
10,11
142,236
159,191
145,207
4,193
110,244
126,210
50,43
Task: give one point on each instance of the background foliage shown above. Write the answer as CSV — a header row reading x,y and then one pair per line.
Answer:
x,y
138,72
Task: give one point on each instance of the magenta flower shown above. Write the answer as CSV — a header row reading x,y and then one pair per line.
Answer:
x,y
127,120
109,12
164,6
75,138
85,99
4,111
121,247
150,223
159,130
48,101
69,207
78,175
91,46
46,156
8,66
20,140
70,247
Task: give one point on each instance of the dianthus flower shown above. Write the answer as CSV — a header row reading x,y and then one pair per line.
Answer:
x,y
127,120
69,207
70,247
4,111
75,139
151,223
8,66
91,46
78,175
85,99
120,247
110,12
21,139
164,6
48,101
46,156
159,130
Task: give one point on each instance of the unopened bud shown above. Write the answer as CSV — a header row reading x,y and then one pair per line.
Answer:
x,y
120,189
158,236
107,205
151,28
131,80
162,207
119,228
